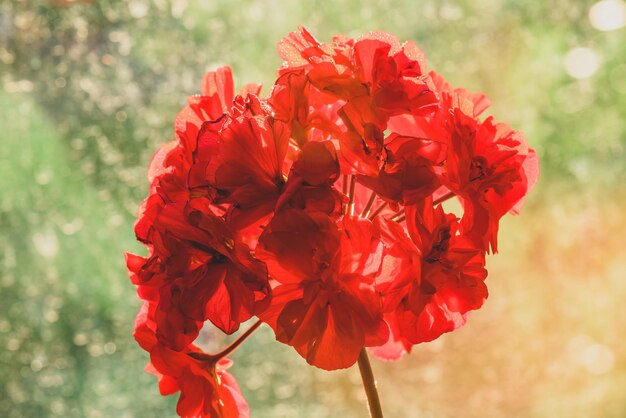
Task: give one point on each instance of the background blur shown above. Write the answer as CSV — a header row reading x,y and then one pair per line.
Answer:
x,y
88,91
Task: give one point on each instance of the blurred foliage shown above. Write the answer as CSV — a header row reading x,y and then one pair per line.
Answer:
x,y
90,90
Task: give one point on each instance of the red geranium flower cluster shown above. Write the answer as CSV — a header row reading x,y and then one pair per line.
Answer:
x,y
319,211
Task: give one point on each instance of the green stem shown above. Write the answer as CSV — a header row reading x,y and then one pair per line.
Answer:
x,y
235,344
214,358
369,383
443,198
377,211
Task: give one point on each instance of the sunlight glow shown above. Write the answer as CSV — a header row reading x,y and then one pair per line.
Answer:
x,y
581,62
608,15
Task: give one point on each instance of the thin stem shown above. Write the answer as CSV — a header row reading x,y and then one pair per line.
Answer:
x,y
401,215
443,198
369,383
351,195
235,344
377,211
368,206
214,358
344,185
398,215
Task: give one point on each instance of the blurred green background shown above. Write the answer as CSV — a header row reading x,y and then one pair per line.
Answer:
x,y
90,90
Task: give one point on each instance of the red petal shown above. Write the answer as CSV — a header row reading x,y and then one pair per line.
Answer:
x,y
298,246
219,85
317,163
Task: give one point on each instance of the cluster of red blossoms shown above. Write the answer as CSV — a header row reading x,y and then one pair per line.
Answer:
x,y
319,210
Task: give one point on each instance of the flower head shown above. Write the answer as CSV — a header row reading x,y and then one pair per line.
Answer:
x,y
321,210
206,389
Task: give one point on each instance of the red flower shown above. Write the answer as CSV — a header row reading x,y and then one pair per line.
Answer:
x,y
247,171
391,75
409,173
312,114
325,305
487,165
207,389
174,169
319,211
201,271
376,76
434,276
491,168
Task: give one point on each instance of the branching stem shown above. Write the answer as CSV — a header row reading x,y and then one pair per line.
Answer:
x,y
214,358
368,206
377,211
351,195
235,344
443,198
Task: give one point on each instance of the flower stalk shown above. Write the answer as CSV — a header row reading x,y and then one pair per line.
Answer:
x,y
377,211
214,358
443,198
235,344
369,383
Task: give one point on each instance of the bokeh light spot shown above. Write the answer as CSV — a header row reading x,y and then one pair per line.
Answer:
x,y
607,15
46,243
581,62
598,359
